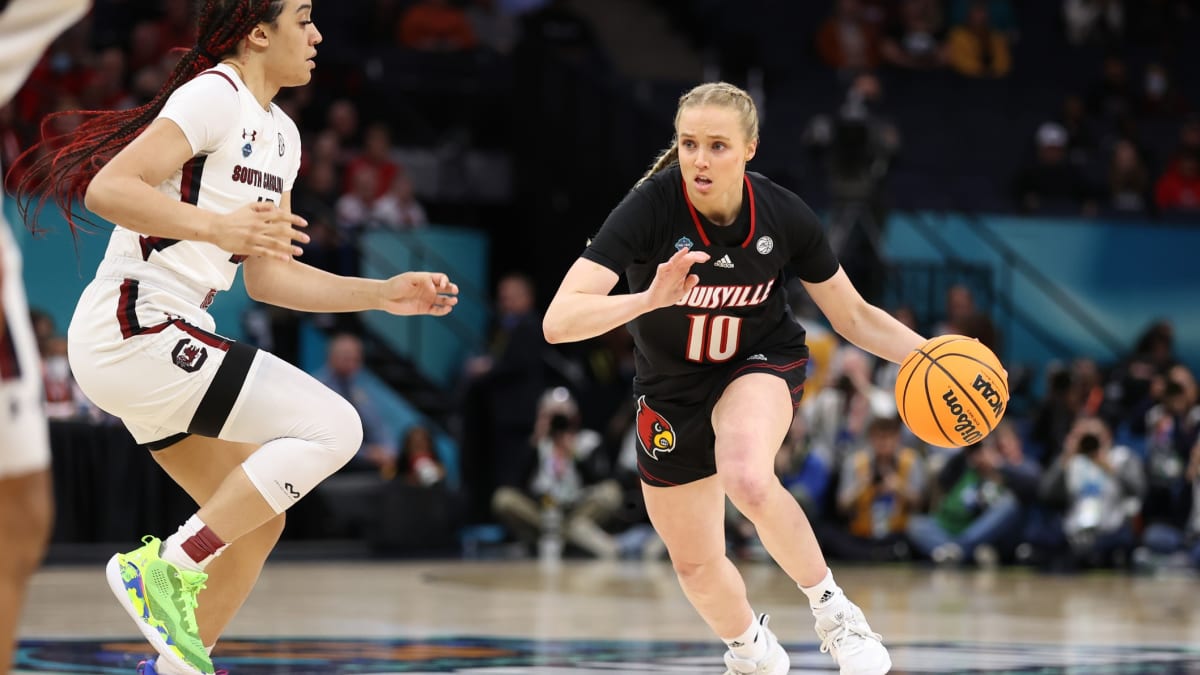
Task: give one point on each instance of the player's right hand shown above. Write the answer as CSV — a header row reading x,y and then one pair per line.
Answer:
x,y
261,229
673,280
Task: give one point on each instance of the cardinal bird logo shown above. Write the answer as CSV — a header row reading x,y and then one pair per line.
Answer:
x,y
654,431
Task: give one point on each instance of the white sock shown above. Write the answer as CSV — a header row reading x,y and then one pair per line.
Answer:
x,y
751,644
193,546
823,593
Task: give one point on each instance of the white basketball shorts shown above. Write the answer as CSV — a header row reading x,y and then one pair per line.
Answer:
x,y
24,435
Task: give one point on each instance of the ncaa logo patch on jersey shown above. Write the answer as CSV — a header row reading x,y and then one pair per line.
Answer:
x,y
764,244
189,356
683,243
246,150
654,431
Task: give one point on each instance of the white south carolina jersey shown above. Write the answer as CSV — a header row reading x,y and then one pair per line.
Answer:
x,y
242,154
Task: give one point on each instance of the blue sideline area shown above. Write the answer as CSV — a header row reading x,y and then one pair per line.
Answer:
x,y
57,268
1123,274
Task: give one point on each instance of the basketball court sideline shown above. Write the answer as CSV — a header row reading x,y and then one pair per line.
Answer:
x,y
580,617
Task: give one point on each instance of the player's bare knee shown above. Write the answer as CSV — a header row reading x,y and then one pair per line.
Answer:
x,y
691,569
748,486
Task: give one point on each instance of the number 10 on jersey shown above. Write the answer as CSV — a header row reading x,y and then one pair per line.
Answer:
x,y
713,338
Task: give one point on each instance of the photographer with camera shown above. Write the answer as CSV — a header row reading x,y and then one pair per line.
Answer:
x,y
984,489
1172,434
1101,486
857,146
571,491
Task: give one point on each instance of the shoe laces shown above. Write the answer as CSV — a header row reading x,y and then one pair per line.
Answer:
x,y
847,628
191,583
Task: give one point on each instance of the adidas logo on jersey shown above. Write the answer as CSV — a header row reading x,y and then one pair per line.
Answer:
x,y
756,357
724,262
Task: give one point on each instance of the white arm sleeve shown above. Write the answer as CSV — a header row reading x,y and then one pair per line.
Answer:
x,y
206,108
26,27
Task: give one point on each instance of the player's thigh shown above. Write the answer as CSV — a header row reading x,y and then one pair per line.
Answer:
x,y
690,518
199,464
750,421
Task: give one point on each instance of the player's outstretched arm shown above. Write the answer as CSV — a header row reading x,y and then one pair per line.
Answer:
x,y
860,322
582,308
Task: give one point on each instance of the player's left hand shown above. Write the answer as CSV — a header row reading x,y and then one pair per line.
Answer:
x,y
419,293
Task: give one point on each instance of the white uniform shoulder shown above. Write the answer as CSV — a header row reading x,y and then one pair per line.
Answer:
x,y
207,108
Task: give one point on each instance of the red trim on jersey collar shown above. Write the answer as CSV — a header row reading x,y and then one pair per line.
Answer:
x,y
696,216
217,72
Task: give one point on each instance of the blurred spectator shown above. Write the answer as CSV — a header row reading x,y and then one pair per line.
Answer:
x,y
1112,96
435,26
105,88
64,399
982,492
1128,180
342,120
960,305
1102,486
495,28
1000,15
1172,430
1129,389
44,329
316,194
1050,181
353,208
857,146
343,373
975,48
1094,22
846,41
1082,138
839,415
376,154
557,30
569,473
1178,189
1160,96
398,208
1054,415
1169,538
881,484
915,39
500,393
418,462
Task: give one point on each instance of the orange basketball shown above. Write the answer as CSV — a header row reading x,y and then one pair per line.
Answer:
x,y
951,391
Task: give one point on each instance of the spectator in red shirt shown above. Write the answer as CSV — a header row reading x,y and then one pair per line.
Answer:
x,y
1178,189
376,154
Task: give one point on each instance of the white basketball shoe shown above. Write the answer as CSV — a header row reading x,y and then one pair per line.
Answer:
x,y
775,662
846,636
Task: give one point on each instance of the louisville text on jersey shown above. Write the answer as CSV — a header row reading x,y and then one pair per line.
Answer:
x,y
716,297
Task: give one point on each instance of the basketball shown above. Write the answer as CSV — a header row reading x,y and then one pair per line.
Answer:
x,y
951,391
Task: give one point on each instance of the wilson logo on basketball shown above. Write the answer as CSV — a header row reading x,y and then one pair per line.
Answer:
x,y
989,394
654,431
964,426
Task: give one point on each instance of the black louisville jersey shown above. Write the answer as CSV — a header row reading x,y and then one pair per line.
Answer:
x,y
740,307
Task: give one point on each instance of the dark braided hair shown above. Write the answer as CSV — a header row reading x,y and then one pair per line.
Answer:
x,y
61,167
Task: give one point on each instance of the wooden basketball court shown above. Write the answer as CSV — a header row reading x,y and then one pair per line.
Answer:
x,y
521,617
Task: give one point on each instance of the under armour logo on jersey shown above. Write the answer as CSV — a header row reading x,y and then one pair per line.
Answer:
x,y
683,243
724,262
189,356
251,135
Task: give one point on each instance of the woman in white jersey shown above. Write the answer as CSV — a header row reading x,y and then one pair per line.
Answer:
x,y
26,503
199,183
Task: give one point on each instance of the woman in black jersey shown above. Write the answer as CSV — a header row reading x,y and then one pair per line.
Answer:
x,y
707,248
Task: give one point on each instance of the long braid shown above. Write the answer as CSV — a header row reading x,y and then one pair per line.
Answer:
x,y
60,167
709,93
